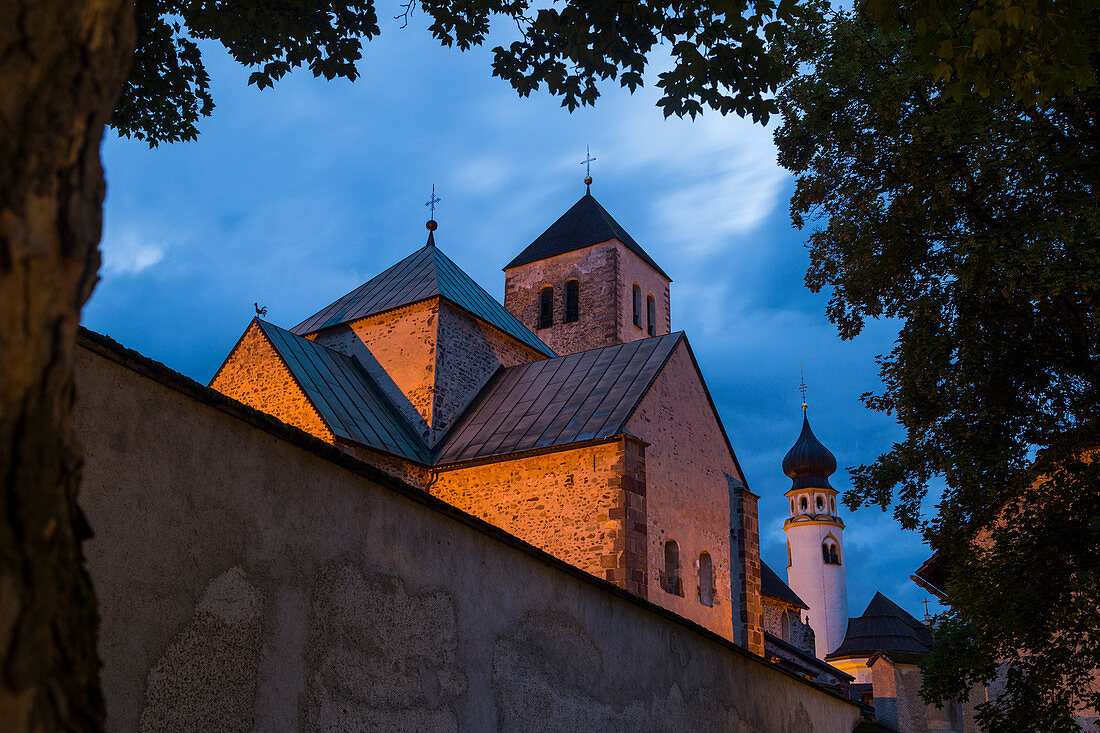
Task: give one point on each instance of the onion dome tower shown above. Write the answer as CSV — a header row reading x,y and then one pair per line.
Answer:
x,y
815,542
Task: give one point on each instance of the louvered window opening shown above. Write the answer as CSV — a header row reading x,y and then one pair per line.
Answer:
x,y
651,315
637,306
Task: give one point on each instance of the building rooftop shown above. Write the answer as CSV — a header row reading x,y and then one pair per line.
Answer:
x,y
772,585
569,399
586,223
426,273
884,627
346,397
808,462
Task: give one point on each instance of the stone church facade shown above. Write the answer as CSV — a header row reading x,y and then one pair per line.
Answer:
x,y
571,417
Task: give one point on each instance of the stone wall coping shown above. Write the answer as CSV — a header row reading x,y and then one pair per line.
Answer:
x,y
155,371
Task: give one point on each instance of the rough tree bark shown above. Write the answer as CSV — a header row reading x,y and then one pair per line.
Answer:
x,y
62,63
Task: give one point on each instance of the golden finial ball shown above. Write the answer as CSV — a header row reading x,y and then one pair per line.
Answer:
x,y
432,225
588,180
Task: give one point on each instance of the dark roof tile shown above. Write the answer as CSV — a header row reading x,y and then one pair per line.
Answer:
x,y
586,223
345,396
772,585
424,274
569,399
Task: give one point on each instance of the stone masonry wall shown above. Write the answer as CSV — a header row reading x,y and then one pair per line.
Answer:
x,y
633,269
569,503
403,341
251,578
750,607
468,353
606,273
687,496
598,294
255,375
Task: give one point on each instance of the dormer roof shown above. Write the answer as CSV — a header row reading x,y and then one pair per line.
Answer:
x,y
426,273
585,224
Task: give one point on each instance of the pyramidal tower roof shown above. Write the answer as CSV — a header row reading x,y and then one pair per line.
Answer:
x,y
426,273
586,223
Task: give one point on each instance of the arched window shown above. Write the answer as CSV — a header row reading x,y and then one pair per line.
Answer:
x,y
802,503
546,307
785,623
792,506
832,505
672,569
637,306
820,504
829,553
706,580
651,315
788,553
572,300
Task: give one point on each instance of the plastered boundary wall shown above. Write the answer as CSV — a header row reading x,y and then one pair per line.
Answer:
x,y
251,577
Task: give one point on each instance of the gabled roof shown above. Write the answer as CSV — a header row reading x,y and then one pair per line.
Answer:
x,y
569,399
585,224
347,399
772,585
884,627
424,274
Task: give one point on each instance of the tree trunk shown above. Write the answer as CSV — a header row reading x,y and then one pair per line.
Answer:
x,y
62,63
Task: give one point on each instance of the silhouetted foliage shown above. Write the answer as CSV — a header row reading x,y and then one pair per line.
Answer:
x,y
971,219
719,50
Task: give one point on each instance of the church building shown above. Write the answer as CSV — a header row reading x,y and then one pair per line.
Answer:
x,y
570,416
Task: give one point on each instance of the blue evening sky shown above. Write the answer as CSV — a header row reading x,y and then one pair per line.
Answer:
x,y
295,195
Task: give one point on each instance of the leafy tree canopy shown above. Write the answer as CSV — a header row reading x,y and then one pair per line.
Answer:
x,y
720,50
972,219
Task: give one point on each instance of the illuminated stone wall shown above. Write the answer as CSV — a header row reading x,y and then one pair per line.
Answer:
x,y
687,491
255,375
606,274
585,506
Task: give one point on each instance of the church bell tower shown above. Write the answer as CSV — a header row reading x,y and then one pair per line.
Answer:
x,y
585,283
815,539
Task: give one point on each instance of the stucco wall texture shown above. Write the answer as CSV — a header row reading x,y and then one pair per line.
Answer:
x,y
253,580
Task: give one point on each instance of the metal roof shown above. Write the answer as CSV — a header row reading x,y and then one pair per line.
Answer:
x,y
345,396
808,462
424,274
772,585
568,399
884,627
586,223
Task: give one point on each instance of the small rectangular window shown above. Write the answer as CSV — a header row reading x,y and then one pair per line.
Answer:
x,y
637,306
546,308
651,317
572,301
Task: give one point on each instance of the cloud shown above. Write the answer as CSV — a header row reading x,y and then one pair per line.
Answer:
x,y
130,253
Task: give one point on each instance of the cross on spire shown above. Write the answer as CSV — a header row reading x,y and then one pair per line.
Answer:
x,y
927,616
587,163
802,386
432,201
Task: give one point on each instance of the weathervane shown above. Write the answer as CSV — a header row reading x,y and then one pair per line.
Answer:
x,y
802,387
432,224
587,163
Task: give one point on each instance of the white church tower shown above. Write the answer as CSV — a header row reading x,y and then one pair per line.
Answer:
x,y
815,540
